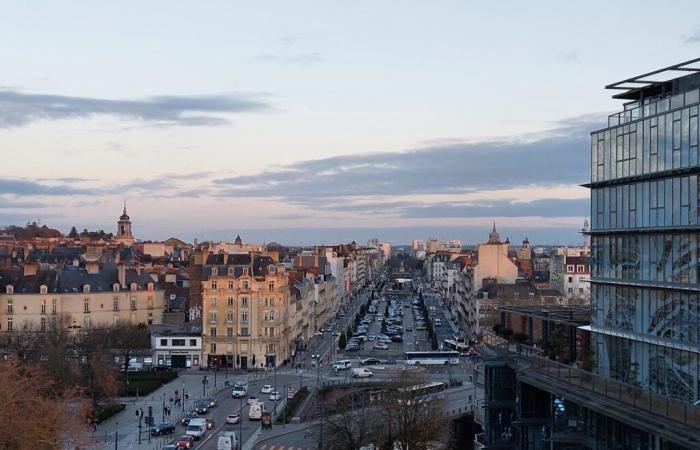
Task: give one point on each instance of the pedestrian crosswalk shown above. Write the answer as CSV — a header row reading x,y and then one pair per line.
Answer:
x,y
282,447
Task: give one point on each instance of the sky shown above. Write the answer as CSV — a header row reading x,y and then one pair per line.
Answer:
x,y
309,121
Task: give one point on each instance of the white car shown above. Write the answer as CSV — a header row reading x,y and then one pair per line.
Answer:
x,y
233,418
266,389
252,400
275,395
361,373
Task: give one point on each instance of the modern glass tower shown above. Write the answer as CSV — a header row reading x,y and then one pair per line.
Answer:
x,y
645,235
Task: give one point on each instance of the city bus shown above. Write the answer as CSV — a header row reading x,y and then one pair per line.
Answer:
x,y
422,392
432,358
450,344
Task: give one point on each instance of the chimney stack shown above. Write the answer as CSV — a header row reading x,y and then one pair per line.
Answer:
x,y
122,275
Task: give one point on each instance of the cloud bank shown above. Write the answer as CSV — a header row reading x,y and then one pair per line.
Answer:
x,y
19,109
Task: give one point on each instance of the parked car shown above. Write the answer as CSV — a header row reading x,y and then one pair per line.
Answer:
x,y
397,338
409,328
233,418
162,428
380,346
185,442
266,389
187,417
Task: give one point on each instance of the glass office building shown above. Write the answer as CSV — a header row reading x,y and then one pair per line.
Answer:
x,y
645,235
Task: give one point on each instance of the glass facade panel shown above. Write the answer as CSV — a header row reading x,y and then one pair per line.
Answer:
x,y
645,289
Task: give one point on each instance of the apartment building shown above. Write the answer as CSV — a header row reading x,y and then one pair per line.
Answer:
x,y
245,311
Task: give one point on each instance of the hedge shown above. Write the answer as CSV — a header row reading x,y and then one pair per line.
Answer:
x,y
145,382
104,412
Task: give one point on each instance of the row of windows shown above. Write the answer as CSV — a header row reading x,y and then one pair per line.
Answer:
x,y
269,331
244,285
667,141
668,202
86,305
43,289
269,348
658,312
244,302
668,371
213,316
178,342
43,324
669,258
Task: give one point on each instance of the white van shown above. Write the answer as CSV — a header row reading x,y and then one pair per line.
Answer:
x,y
255,411
239,391
344,364
197,428
361,373
227,441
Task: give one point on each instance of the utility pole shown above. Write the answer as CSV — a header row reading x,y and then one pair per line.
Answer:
x,y
116,436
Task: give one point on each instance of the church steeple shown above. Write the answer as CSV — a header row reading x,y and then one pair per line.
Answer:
x,y
494,237
238,240
124,235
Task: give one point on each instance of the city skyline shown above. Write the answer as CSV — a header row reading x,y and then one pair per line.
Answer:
x,y
305,125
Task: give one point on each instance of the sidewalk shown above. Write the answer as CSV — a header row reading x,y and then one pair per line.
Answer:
x,y
124,425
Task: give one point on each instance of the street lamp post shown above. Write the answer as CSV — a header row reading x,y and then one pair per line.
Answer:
x,y
240,425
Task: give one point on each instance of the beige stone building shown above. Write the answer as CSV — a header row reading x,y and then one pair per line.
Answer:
x,y
90,297
245,303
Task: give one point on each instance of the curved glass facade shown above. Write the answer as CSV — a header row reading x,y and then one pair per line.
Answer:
x,y
645,203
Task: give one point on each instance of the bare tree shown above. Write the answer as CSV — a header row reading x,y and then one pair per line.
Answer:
x,y
128,340
401,416
412,419
351,422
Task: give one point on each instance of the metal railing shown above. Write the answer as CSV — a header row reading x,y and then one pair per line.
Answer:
x,y
617,391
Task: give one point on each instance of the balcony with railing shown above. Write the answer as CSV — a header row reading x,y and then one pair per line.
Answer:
x,y
635,111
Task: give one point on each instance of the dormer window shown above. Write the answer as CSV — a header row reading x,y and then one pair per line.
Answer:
x,y
86,289
134,287
9,289
43,289
245,271
214,271
150,286
230,271
115,287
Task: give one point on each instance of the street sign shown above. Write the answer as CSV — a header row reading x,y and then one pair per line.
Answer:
x,y
290,392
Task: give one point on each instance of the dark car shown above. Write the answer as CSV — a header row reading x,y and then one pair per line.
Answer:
x,y
370,361
201,408
170,447
212,402
187,417
397,338
162,428
211,423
